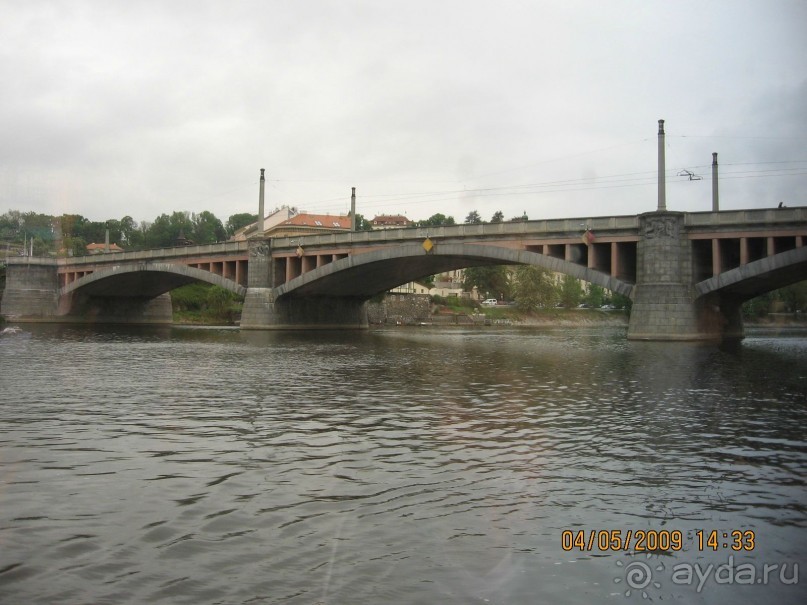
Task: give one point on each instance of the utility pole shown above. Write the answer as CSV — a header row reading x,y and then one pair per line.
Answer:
x,y
260,206
715,199
662,189
353,210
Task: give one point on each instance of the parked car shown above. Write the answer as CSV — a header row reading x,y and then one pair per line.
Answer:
x,y
489,302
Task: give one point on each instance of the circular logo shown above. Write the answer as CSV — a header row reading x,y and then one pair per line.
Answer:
x,y
638,575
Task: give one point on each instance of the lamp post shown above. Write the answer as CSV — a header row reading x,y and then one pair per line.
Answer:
x,y
662,189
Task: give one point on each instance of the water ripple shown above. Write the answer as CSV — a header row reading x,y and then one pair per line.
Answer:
x,y
401,466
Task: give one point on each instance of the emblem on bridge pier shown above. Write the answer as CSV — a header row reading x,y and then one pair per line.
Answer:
x,y
258,250
428,245
661,227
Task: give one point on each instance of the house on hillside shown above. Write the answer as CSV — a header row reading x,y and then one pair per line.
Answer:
x,y
288,222
412,287
310,224
388,221
103,248
271,220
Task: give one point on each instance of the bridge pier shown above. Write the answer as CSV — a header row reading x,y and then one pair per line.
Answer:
x,y
32,290
262,311
665,304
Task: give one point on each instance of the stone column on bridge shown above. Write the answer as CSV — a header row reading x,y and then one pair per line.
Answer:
x,y
662,305
664,301
259,304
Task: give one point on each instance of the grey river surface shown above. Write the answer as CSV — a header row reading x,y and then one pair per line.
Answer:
x,y
410,465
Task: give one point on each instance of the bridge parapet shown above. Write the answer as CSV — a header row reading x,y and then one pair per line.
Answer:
x,y
570,227
739,219
179,252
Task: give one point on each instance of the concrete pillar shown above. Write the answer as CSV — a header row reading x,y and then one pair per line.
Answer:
x,y
715,199
592,256
744,254
663,304
717,265
32,290
614,259
662,184
259,309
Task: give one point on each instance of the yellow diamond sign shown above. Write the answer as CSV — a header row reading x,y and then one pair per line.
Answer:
x,y
428,245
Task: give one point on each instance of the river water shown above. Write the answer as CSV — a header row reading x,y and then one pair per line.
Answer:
x,y
410,465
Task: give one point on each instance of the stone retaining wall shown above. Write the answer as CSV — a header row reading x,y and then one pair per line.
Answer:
x,y
405,309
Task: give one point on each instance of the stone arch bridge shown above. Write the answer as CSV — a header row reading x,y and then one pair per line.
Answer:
x,y
687,273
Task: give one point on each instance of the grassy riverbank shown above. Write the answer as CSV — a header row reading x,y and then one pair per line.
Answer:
x,y
206,305
506,314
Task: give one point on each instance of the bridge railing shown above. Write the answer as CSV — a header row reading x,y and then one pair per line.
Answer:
x,y
766,216
539,228
221,248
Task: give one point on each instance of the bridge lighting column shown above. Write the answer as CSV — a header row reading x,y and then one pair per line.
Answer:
x,y
260,206
715,200
353,209
662,185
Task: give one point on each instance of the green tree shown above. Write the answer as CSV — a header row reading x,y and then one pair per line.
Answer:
x,y
437,220
206,228
571,291
41,247
11,225
473,218
758,306
534,287
490,281
620,301
165,230
93,231
362,224
37,225
72,224
595,296
498,217
794,296
239,221
130,235
218,300
74,246
520,219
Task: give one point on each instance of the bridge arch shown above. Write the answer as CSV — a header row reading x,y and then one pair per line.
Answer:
x,y
146,280
757,277
368,274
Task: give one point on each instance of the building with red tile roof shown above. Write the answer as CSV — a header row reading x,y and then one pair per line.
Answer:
x,y
102,248
390,221
310,224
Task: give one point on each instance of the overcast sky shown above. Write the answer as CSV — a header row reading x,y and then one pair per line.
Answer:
x,y
113,108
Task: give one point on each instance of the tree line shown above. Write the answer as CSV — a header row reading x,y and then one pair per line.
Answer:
x,y
69,234
533,288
